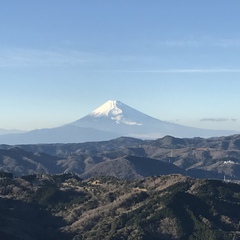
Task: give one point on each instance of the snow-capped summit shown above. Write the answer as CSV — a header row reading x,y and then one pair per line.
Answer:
x,y
111,107
116,117
111,120
118,112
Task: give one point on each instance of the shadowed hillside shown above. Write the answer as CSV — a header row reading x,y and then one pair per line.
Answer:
x,y
160,207
129,158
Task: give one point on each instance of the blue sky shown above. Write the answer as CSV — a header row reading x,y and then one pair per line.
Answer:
x,y
178,61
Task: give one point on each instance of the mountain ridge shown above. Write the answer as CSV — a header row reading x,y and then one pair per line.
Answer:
x,y
129,158
111,120
10,131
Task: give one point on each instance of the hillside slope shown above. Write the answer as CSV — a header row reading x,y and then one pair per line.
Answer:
x,y
196,157
167,207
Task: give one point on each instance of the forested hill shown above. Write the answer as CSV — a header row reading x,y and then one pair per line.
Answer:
x,y
128,158
63,206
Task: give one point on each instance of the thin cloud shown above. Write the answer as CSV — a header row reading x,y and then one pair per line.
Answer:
x,y
180,43
44,58
228,42
193,70
218,119
32,58
206,41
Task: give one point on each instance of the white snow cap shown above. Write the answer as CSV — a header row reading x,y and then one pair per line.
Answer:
x,y
111,106
116,111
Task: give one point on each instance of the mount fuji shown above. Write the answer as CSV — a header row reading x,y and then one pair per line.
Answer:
x,y
111,120
115,116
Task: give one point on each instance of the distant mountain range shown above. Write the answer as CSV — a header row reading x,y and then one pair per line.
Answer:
x,y
128,158
9,131
111,120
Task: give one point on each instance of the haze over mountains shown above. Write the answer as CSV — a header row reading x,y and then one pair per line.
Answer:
x,y
111,120
8,131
